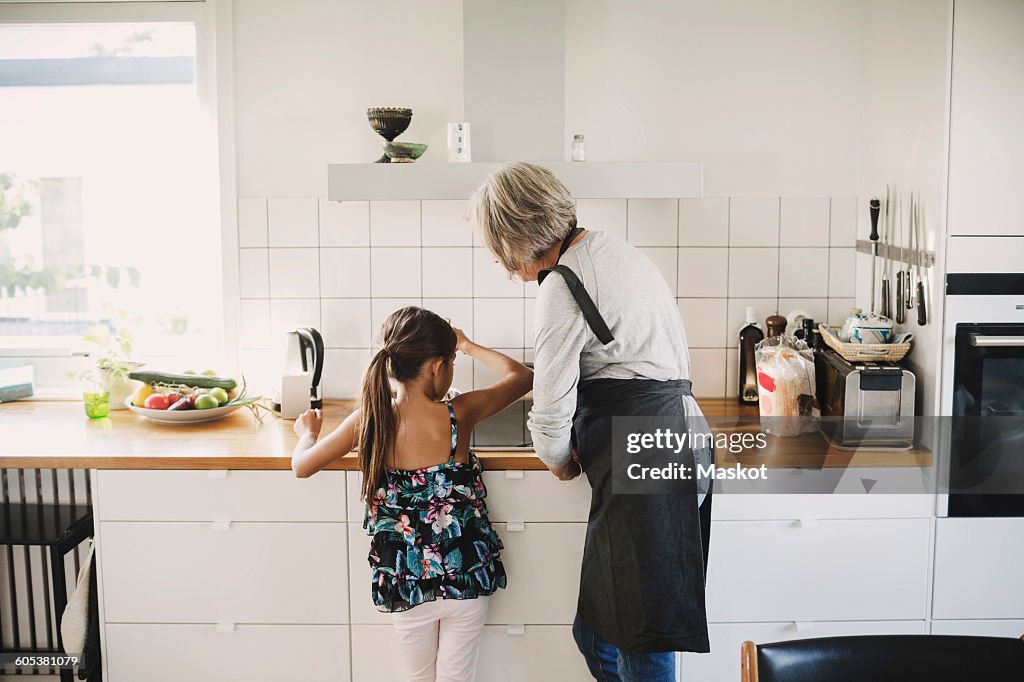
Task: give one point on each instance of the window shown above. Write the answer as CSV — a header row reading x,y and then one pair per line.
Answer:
x,y
108,185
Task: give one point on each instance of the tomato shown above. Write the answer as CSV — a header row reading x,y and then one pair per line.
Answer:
x,y
157,401
206,402
220,394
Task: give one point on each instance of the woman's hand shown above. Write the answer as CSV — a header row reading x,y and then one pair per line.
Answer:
x,y
570,469
462,341
308,424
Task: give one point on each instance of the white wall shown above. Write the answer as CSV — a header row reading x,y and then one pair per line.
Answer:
x,y
306,71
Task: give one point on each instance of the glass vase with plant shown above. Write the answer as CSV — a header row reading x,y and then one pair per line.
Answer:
x,y
110,345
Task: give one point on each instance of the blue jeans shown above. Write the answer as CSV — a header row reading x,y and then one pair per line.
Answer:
x,y
608,664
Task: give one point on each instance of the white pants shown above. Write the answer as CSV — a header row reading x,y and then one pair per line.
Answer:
x,y
439,640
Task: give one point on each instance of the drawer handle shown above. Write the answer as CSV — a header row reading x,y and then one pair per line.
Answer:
x,y
513,473
218,473
220,526
804,626
807,522
225,627
515,526
516,629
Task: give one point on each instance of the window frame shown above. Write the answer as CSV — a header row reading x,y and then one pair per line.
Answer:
x,y
214,86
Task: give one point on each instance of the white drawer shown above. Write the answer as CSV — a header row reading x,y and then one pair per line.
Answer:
x,y
818,570
246,653
219,496
978,568
536,594
248,573
513,496
527,654
723,663
756,507
979,628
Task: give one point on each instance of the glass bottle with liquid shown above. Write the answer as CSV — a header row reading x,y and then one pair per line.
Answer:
x,y
750,336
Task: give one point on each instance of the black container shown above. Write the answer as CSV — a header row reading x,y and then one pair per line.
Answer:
x,y
750,336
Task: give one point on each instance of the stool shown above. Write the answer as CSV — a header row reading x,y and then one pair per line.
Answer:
x,y
60,528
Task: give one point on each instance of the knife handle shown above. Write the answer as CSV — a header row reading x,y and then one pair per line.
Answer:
x,y
875,207
901,306
922,310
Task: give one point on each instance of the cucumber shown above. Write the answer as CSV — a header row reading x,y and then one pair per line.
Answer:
x,y
194,380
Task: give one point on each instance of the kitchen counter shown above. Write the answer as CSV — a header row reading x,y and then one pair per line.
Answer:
x,y
53,434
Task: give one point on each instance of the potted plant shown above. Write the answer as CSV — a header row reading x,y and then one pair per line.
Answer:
x,y
111,349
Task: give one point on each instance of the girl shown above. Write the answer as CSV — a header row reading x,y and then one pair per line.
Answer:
x,y
433,552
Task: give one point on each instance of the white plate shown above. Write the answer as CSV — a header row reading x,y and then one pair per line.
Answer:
x,y
182,416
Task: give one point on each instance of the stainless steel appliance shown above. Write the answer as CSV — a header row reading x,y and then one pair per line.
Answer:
x,y
983,390
865,404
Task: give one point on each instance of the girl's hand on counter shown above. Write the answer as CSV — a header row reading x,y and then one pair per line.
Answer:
x,y
308,424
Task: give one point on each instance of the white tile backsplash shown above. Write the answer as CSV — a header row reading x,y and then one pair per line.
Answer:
x,y
704,222
704,321
394,223
345,266
448,272
396,272
490,280
343,370
842,272
666,260
292,221
499,322
294,273
803,221
344,223
754,221
803,272
606,215
445,223
703,272
288,313
484,376
252,221
816,308
344,272
843,221
652,222
254,323
253,273
345,322
753,272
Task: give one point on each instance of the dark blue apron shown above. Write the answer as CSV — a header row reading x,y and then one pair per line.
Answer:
x,y
645,558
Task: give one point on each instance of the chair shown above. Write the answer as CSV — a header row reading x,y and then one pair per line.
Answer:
x,y
885,658
56,529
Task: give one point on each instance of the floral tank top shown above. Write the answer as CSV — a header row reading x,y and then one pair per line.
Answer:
x,y
430,534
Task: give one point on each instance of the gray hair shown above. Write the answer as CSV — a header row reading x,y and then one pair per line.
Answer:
x,y
522,210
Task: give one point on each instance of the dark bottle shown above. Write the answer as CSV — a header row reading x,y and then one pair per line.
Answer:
x,y
776,325
750,336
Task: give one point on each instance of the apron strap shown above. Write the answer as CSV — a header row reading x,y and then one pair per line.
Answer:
x,y
579,292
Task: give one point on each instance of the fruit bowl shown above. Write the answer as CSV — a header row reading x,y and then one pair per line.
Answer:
x,y
182,416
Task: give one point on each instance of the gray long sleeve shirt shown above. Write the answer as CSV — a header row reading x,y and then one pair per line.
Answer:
x,y
641,313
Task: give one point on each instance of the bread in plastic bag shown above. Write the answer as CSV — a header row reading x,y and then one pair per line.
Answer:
x,y
785,386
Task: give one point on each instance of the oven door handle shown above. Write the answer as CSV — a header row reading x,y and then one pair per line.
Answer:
x,y
987,341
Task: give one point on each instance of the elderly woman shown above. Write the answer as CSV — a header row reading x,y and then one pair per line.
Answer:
x,y
609,342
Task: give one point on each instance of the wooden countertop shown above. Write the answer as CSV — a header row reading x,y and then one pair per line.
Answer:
x,y
52,434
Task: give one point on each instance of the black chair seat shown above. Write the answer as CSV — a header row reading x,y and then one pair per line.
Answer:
x,y
42,524
892,658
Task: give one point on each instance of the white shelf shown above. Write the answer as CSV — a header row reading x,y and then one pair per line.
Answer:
x,y
586,180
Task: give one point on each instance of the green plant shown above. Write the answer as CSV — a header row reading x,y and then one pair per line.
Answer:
x,y
111,346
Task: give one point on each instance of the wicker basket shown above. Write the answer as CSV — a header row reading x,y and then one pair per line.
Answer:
x,y
893,352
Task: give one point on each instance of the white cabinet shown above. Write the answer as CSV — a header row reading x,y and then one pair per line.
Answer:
x,y
219,496
542,561
978,568
783,506
986,128
157,572
979,628
507,654
723,663
818,570
246,653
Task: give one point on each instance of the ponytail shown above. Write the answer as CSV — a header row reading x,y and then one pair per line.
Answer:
x,y
410,337
379,423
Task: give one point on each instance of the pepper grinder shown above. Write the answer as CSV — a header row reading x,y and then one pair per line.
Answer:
x,y
776,325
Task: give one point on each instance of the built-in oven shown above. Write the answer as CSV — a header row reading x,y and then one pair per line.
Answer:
x,y
983,390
